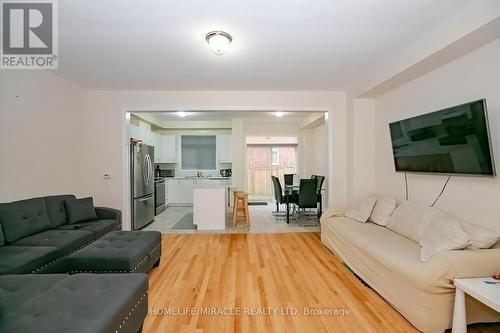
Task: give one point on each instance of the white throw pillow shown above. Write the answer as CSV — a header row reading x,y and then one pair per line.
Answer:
x,y
384,207
361,209
480,237
411,220
444,234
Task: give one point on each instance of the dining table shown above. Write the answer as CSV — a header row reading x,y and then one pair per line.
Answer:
x,y
291,189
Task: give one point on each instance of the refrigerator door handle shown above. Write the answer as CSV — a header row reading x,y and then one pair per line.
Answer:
x,y
145,199
145,170
150,169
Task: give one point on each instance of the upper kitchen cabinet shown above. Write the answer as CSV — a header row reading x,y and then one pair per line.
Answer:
x,y
168,149
142,131
135,132
223,144
157,143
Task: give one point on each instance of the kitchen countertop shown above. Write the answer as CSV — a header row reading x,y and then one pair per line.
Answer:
x,y
209,185
201,178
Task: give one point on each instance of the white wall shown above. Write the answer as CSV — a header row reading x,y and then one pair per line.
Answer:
x,y
361,145
314,143
238,167
471,77
39,134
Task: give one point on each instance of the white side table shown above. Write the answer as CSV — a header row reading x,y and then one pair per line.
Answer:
x,y
488,294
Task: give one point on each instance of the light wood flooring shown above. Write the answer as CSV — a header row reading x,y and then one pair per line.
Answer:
x,y
289,273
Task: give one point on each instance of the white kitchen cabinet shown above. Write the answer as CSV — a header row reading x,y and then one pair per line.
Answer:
x,y
180,191
173,186
223,147
142,132
167,197
157,143
168,149
186,191
135,131
145,132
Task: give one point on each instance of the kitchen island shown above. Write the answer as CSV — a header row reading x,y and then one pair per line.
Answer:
x,y
210,202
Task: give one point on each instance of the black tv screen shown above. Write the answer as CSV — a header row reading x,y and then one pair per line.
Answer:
x,y
451,141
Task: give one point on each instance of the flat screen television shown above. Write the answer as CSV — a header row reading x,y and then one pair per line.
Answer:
x,y
453,141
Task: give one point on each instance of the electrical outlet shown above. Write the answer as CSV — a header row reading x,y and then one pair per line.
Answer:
x,y
107,176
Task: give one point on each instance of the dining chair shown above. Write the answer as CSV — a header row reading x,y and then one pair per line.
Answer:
x,y
288,179
278,194
319,194
307,198
320,179
280,197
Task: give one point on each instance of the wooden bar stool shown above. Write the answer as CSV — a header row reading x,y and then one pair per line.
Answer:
x,y
240,207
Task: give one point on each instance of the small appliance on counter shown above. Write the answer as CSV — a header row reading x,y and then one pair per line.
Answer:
x,y
166,173
157,171
226,173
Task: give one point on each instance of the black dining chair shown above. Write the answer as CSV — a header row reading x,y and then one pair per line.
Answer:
x,y
307,198
320,179
288,179
279,197
278,194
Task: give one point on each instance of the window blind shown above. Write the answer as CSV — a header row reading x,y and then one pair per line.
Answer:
x,y
198,152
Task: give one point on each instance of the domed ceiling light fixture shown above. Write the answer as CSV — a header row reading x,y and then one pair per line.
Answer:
x,y
219,41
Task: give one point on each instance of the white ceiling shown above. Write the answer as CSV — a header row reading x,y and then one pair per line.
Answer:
x,y
228,115
278,44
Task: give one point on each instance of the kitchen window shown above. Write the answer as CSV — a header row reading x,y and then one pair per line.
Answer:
x,y
198,152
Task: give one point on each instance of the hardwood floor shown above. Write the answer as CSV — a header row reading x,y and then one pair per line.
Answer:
x,y
289,273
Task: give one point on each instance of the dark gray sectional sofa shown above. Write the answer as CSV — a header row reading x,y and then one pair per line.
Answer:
x,y
81,303
36,233
35,237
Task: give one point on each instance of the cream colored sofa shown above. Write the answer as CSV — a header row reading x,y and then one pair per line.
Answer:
x,y
422,292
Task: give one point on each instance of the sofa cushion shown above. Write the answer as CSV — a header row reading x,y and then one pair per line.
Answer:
x,y
56,209
98,227
2,239
383,209
411,220
118,251
361,209
80,210
79,303
480,237
25,259
65,240
16,290
444,234
23,218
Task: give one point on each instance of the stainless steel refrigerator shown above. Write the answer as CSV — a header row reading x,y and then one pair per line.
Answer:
x,y
142,184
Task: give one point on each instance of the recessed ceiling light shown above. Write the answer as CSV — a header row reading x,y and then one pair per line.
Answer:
x,y
182,114
279,114
219,41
